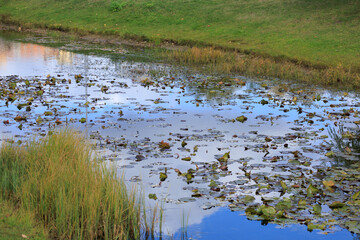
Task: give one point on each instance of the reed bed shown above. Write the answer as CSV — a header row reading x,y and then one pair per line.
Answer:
x,y
254,66
74,196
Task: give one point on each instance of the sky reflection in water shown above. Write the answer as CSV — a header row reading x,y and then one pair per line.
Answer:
x,y
202,117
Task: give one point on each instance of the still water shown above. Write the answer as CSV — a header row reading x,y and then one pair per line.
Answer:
x,y
247,159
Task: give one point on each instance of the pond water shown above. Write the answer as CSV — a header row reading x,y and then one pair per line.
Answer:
x,y
226,157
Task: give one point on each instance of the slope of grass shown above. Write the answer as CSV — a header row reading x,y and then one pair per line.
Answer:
x,y
321,32
73,196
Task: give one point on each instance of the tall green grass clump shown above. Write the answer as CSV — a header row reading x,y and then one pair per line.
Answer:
x,y
75,196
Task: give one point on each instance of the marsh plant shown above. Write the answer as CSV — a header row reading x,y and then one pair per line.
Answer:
x,y
73,195
346,140
223,61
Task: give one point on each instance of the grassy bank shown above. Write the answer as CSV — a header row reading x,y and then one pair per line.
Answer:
x,y
74,197
316,33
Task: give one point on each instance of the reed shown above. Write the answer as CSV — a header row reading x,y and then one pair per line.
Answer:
x,y
75,196
255,66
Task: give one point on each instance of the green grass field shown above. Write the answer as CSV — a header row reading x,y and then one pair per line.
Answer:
x,y
321,32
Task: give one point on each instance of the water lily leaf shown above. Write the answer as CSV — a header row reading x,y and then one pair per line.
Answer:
x,y
330,154
225,157
247,199
268,211
241,119
164,145
20,118
183,144
39,120
302,204
189,176
311,190
353,226
12,85
152,196
328,185
186,159
312,226
337,204
163,176
213,183
263,102
317,209
356,196
284,204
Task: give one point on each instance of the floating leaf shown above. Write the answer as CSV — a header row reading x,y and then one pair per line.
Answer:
x,y
337,204
302,204
356,196
163,176
20,118
311,190
225,157
317,209
284,204
283,185
213,183
241,119
164,145
263,102
330,154
312,226
152,196
39,120
328,185
268,211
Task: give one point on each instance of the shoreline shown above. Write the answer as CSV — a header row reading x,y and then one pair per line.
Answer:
x,y
214,59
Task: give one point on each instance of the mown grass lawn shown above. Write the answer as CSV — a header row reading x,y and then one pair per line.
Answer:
x,y
322,32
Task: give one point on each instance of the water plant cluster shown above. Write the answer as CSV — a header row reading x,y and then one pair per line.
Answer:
x,y
70,193
238,63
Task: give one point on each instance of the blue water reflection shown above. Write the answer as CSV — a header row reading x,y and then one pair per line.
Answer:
x,y
225,224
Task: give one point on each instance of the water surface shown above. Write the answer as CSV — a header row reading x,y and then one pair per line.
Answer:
x,y
276,134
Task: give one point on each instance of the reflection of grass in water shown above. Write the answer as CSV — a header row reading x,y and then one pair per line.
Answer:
x,y
346,142
184,225
346,139
73,196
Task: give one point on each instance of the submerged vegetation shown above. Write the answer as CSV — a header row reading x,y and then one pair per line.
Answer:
x,y
74,197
